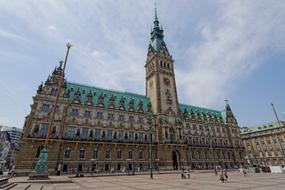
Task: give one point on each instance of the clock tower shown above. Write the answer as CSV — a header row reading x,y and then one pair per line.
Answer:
x,y
160,78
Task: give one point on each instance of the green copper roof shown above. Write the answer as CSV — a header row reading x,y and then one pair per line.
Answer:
x,y
268,126
84,90
97,92
202,113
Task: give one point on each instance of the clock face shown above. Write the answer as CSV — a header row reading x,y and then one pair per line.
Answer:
x,y
166,81
150,84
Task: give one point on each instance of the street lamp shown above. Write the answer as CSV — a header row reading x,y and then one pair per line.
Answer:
x,y
41,169
280,125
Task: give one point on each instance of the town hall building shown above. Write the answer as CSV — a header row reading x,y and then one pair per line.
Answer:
x,y
103,130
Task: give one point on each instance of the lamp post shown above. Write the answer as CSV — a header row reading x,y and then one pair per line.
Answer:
x,y
150,118
280,125
41,169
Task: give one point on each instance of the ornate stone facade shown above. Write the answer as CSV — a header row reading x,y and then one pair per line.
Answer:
x,y
265,144
107,130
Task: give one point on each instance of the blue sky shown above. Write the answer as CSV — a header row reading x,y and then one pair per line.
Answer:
x,y
222,50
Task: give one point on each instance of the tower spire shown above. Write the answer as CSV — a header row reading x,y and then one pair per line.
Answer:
x,y
155,13
155,22
156,33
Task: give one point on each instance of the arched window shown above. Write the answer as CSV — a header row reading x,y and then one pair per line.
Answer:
x,y
126,135
136,137
160,63
145,138
95,154
130,155
81,153
107,153
119,155
168,65
67,152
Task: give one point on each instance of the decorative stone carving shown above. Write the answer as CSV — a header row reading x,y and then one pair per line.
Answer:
x,y
77,96
101,100
89,98
131,105
112,102
140,106
122,103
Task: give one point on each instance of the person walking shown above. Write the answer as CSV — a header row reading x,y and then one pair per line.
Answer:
x,y
188,173
221,174
244,172
182,173
226,175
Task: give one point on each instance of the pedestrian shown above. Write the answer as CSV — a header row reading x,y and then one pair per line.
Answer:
x,y
226,175
185,173
244,172
188,173
221,175
182,172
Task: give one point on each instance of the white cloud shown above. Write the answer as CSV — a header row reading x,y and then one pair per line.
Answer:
x,y
51,27
233,46
110,41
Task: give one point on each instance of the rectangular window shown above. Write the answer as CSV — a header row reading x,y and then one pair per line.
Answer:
x,y
95,153
131,136
74,112
140,154
119,155
110,116
121,118
121,135
187,125
99,115
87,114
97,135
43,130
107,153
67,153
109,134
130,155
81,154
140,137
141,120
45,107
71,132
84,133
131,119
166,133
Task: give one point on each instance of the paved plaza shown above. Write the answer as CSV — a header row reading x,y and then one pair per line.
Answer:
x,y
164,181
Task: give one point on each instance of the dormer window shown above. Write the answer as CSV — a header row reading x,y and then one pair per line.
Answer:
x,y
74,112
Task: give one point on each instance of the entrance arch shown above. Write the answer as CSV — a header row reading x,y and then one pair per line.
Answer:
x,y
175,160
